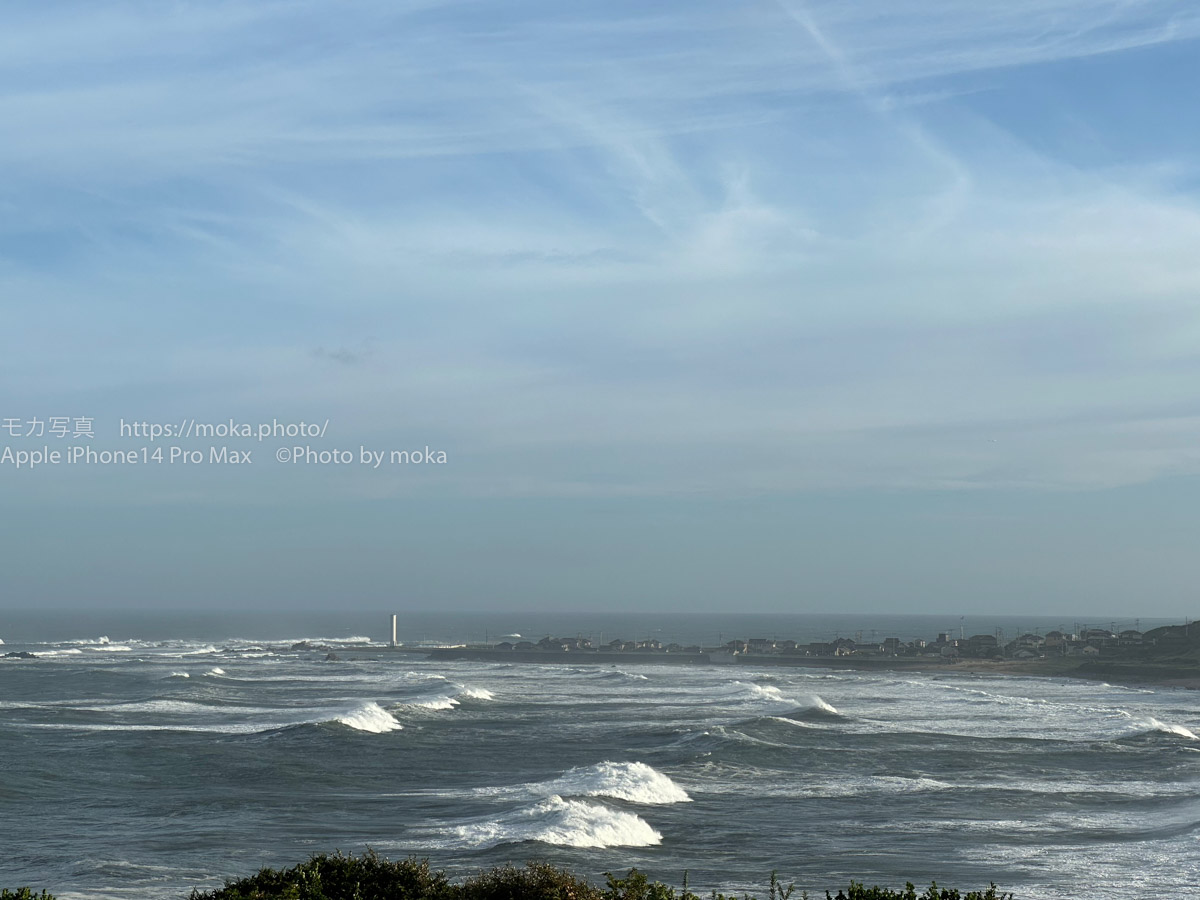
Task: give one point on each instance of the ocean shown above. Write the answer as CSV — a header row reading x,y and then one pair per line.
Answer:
x,y
144,755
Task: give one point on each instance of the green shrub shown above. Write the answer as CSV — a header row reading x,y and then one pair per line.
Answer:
x,y
537,881
339,877
24,894
369,877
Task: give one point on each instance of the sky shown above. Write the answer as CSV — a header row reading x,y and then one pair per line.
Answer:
x,y
884,306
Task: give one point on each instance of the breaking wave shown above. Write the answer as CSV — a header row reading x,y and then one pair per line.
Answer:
x,y
760,693
818,711
449,698
1152,724
370,717
632,781
216,671
564,823
201,652
434,703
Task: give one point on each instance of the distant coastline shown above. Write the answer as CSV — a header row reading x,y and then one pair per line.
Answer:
x,y
1168,656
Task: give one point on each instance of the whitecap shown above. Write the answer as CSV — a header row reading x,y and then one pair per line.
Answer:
x,y
823,706
201,652
632,781
635,782
1168,728
877,784
564,823
448,695
289,642
178,707
370,717
795,723
434,703
761,693
215,671
179,675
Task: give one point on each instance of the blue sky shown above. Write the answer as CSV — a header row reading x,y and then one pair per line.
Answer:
x,y
906,290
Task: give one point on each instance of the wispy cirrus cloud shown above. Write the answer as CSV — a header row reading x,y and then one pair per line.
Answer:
x,y
574,232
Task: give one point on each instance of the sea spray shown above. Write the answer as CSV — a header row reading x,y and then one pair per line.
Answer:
x,y
564,823
634,782
370,717
1169,728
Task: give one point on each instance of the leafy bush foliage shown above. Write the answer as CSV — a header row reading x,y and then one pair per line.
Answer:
x,y
339,877
537,881
368,877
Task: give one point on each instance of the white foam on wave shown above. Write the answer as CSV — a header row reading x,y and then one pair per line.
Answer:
x,y
215,671
1167,728
179,707
434,703
370,717
784,720
635,782
829,787
113,648
877,784
73,651
201,652
760,693
1,643
632,781
179,675
820,704
449,697
564,823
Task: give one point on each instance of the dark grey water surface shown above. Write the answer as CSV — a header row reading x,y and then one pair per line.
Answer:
x,y
146,755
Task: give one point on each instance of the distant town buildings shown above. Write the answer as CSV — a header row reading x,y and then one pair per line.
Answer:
x,y
1086,641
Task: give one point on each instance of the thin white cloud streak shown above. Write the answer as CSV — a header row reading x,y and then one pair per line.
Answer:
x,y
216,91
682,316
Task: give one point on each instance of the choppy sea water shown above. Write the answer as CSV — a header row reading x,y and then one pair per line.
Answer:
x,y
144,766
